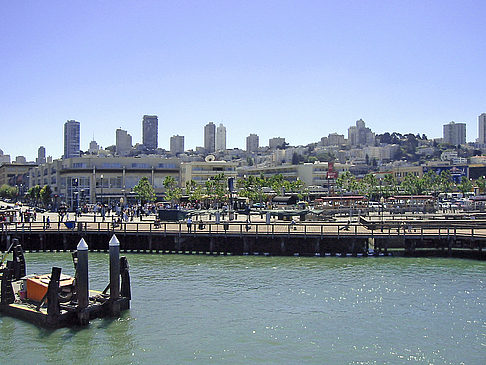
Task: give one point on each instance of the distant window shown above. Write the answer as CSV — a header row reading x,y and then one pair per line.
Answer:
x,y
167,165
111,165
141,165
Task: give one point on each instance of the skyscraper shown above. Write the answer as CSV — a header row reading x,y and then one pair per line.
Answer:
x,y
482,128
41,155
252,143
210,137
123,142
221,137
71,139
176,144
455,133
150,127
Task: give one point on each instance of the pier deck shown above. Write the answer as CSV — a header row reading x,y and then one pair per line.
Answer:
x,y
405,235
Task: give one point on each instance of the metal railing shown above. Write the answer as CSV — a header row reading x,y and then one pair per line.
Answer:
x,y
422,229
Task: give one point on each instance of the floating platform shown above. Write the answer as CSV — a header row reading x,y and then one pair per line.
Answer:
x,y
55,300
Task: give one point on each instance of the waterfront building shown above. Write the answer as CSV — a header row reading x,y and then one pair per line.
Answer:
x,y
71,139
482,129
176,145
221,137
91,179
252,143
41,155
210,137
276,142
123,142
202,171
150,127
360,135
455,133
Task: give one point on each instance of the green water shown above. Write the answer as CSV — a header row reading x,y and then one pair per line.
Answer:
x,y
269,310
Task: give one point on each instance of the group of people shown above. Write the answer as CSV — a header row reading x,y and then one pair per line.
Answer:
x,y
200,223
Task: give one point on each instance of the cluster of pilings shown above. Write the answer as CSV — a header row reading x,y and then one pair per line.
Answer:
x,y
82,304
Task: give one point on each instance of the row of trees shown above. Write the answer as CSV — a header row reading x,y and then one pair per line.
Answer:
x,y
215,189
429,183
255,188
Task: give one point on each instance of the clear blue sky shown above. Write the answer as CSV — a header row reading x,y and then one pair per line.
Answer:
x,y
294,69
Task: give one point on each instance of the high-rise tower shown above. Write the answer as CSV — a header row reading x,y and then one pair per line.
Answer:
x,y
150,127
71,139
482,128
41,155
221,137
210,137
123,142
176,144
252,143
455,133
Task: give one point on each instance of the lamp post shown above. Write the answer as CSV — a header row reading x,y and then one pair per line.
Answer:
x,y
382,199
82,198
101,177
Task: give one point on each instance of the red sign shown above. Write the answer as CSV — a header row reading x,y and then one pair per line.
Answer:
x,y
332,175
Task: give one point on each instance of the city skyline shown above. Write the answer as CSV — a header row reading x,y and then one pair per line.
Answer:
x,y
409,68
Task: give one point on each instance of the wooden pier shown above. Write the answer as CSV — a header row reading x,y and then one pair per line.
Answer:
x,y
409,237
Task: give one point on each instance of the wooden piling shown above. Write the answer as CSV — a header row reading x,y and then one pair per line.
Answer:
x,y
114,276
82,289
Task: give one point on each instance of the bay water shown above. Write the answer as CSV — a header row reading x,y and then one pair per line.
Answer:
x,y
270,310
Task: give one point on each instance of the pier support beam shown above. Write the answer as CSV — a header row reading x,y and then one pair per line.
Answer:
x,y
245,245
211,244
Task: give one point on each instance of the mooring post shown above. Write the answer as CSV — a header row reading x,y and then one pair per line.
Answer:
x,y
82,275
125,278
53,309
114,267
114,276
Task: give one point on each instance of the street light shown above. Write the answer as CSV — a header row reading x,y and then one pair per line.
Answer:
x,y
101,177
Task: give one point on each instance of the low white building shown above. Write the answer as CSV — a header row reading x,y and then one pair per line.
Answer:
x,y
202,171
